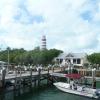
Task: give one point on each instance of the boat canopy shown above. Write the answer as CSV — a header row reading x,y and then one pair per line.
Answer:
x,y
73,76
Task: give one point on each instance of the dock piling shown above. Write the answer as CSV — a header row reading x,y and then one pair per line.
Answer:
x,y
3,78
31,77
39,72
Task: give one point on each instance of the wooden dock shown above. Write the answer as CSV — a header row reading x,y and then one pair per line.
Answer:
x,y
34,74
34,78
20,78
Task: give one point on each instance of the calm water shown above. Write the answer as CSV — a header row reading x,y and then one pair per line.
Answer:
x,y
43,93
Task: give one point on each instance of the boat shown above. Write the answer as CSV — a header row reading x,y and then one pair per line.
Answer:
x,y
77,89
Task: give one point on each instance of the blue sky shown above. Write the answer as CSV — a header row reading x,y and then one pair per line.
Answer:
x,y
69,25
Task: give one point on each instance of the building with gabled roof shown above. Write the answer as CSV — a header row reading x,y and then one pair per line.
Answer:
x,y
77,59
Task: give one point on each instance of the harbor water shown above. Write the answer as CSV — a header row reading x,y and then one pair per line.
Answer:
x,y
44,92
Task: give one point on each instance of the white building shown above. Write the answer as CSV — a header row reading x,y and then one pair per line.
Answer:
x,y
77,59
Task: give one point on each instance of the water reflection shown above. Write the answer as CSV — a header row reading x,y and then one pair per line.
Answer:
x,y
42,93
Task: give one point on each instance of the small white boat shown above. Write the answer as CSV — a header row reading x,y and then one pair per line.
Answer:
x,y
82,91
78,90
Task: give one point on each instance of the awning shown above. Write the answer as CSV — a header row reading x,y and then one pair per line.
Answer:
x,y
74,76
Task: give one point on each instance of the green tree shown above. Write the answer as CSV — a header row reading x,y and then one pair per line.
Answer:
x,y
94,58
36,56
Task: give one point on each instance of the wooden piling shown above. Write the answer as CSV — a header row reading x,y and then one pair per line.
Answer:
x,y
31,77
3,78
52,69
39,72
20,80
15,85
34,82
48,76
52,80
63,69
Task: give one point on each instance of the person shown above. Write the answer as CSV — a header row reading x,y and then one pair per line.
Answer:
x,y
75,86
71,84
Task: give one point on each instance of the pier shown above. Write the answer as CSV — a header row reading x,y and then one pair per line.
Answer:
x,y
29,78
19,78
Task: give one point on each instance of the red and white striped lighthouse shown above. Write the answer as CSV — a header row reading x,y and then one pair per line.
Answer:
x,y
43,43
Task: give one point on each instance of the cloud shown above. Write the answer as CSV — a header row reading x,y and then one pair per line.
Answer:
x,y
68,24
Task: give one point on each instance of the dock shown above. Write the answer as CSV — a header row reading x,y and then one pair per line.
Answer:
x,y
34,78
28,78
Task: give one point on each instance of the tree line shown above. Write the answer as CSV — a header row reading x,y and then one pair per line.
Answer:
x,y
94,58
36,56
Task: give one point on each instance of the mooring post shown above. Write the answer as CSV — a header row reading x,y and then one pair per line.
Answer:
x,y
34,81
78,71
31,75
52,80
48,70
20,78
39,75
53,69
15,85
48,76
3,78
63,69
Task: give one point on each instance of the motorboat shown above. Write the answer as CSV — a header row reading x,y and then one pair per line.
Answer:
x,y
80,90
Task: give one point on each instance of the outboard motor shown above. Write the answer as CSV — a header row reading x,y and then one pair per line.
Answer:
x,y
97,92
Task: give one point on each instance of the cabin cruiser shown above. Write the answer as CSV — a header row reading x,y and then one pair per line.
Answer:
x,y
76,89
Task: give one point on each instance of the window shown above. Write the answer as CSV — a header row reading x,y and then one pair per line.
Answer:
x,y
57,59
61,60
69,60
74,61
78,61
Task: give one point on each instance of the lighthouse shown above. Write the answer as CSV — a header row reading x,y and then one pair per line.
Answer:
x,y
43,43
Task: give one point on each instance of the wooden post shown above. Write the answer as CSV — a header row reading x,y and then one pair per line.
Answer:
x,y
15,85
3,78
20,78
31,77
0,83
52,80
34,81
52,69
93,78
61,69
48,70
78,71
39,72
48,77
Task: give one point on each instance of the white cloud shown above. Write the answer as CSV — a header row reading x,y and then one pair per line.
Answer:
x,y
62,22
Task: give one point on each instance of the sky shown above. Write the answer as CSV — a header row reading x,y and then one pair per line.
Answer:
x,y
69,25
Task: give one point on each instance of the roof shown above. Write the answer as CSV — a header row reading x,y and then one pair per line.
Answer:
x,y
72,55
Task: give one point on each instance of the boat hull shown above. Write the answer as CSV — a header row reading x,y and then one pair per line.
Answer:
x,y
66,88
